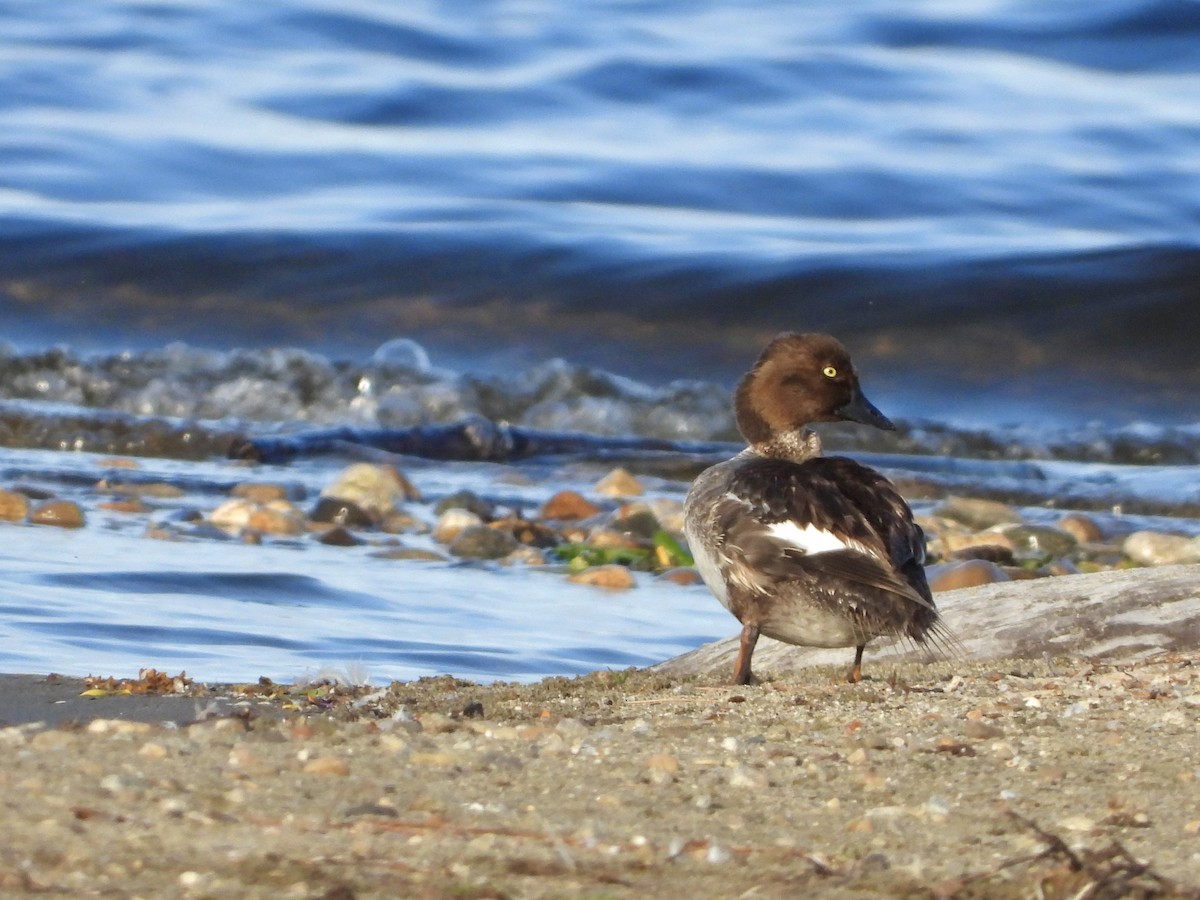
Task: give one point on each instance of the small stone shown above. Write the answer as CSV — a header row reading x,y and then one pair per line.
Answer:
x,y
978,730
1156,548
568,505
663,762
276,517
341,512
59,513
1083,528
374,489
452,522
976,513
965,573
152,750
1077,823
259,493
613,577
13,506
619,483
467,500
992,542
416,554
327,765
1040,539
684,576
130,505
482,542
339,537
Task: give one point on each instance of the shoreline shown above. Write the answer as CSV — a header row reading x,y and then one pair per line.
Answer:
x,y
952,779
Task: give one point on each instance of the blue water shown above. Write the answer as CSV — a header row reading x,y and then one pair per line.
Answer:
x,y
994,203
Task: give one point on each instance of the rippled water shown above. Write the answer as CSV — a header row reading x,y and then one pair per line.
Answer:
x,y
995,200
993,203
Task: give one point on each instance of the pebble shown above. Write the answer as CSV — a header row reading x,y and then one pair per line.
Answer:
x,y
276,517
327,765
964,573
1083,528
59,513
1156,548
976,513
1040,539
374,489
482,542
341,512
468,500
13,506
339,537
683,576
613,577
452,522
257,492
569,505
619,483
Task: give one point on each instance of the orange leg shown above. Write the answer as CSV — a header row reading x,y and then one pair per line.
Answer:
x,y
855,675
741,668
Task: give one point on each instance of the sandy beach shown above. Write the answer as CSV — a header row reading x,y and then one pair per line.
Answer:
x,y
1013,778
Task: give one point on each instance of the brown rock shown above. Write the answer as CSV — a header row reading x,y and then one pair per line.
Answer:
x,y
60,513
453,522
619,483
683,575
568,505
613,577
1083,528
13,506
327,765
277,517
976,513
965,573
259,493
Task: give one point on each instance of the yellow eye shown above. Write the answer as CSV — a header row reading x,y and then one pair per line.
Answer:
x,y
829,372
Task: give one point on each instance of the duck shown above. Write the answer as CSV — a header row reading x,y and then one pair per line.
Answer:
x,y
815,550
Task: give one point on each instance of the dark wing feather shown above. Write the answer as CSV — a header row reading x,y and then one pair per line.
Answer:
x,y
838,495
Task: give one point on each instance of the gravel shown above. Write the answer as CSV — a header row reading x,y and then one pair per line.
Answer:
x,y
1010,778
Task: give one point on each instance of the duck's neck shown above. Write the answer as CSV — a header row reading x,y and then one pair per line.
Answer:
x,y
794,446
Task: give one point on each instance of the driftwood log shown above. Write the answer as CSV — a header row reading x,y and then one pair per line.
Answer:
x,y
1119,615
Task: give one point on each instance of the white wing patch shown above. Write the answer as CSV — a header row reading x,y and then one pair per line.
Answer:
x,y
810,539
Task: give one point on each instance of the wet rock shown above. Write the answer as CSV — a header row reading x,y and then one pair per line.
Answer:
x,y
467,500
259,492
1040,540
341,512
276,517
401,522
339,537
619,483
527,531
610,539
613,577
13,506
482,542
965,573
999,554
410,553
683,575
129,505
976,513
1083,528
526,556
953,543
637,520
59,513
568,505
376,490
452,522
1156,548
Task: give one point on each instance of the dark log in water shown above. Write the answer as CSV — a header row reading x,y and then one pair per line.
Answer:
x,y
476,439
